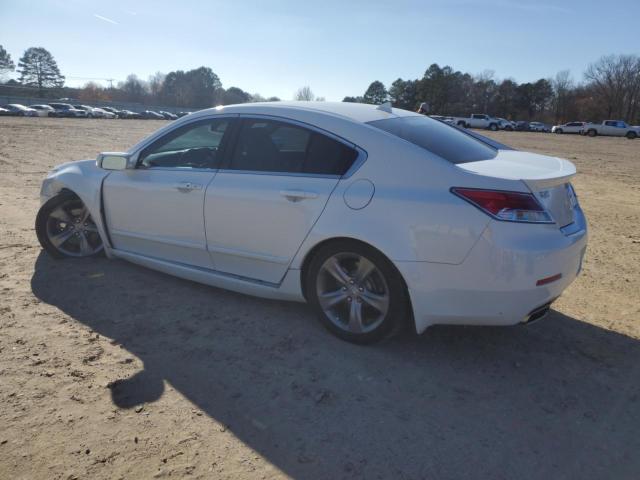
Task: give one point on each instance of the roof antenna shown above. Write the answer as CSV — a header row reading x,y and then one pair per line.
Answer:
x,y
385,107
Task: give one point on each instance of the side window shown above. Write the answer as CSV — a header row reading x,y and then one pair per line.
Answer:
x,y
328,156
192,146
279,147
610,124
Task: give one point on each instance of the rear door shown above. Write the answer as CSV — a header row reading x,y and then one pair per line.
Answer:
x,y
156,209
259,209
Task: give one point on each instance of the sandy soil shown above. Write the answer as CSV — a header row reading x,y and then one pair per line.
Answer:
x,y
108,370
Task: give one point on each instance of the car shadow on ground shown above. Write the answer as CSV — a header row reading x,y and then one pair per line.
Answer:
x,y
557,399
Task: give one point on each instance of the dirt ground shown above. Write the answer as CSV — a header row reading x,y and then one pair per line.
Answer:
x,y
108,370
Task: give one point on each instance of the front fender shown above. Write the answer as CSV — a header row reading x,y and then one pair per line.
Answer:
x,y
84,179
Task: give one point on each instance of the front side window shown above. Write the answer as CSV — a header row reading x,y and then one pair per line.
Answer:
x,y
192,146
446,141
279,147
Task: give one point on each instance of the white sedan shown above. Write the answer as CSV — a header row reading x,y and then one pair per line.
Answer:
x,y
569,127
376,216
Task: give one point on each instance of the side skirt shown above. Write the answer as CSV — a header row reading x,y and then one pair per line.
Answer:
x,y
290,288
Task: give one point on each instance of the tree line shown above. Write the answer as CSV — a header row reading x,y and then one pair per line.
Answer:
x,y
197,88
610,90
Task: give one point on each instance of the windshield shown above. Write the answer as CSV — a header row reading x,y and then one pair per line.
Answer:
x,y
449,143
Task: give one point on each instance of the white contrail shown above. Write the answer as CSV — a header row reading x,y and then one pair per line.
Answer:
x,y
105,19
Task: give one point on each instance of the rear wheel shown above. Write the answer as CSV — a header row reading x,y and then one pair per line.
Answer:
x,y
65,228
592,133
631,135
356,291
462,124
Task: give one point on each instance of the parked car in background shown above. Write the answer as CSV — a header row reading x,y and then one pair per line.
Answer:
x,y
19,110
102,113
67,110
129,114
5,113
505,124
182,114
611,128
569,127
477,120
87,109
308,206
168,115
522,126
538,127
115,111
151,115
43,110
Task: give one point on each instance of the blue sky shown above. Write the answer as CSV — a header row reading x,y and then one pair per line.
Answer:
x,y
336,47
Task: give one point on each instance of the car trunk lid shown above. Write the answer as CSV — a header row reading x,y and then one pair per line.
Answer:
x,y
547,177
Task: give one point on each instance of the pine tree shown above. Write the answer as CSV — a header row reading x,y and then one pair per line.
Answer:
x,y
376,94
6,64
38,68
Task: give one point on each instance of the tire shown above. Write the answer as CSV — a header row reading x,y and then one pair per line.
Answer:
x,y
65,229
346,308
631,135
508,129
462,124
592,133
493,127
559,131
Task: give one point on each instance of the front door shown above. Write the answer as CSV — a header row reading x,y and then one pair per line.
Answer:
x,y
156,209
260,208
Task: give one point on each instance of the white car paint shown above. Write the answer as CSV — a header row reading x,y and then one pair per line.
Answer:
x,y
252,232
569,127
477,120
611,128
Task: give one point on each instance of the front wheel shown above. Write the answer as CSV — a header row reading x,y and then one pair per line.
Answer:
x,y
65,228
559,130
631,135
357,292
592,133
493,127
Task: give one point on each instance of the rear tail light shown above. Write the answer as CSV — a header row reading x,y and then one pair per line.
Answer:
x,y
506,206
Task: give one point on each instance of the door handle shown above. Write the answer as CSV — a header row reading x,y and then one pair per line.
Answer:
x,y
297,195
188,186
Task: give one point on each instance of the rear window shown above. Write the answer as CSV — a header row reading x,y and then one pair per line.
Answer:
x,y
444,140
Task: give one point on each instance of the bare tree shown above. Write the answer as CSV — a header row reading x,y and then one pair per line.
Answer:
x,y
616,80
155,83
563,94
304,94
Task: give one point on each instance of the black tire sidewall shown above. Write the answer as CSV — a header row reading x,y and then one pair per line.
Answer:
x,y
41,225
397,315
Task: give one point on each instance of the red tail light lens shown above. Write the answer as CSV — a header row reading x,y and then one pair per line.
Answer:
x,y
507,206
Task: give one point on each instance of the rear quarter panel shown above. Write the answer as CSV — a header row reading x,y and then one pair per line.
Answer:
x,y
412,216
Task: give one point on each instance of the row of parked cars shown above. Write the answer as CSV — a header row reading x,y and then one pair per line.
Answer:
x,y
68,110
614,128
481,120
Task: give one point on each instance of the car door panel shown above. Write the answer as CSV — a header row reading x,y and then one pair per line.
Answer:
x,y
256,222
158,213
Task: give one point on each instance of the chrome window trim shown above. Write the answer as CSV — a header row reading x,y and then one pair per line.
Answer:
x,y
279,174
357,163
161,133
355,166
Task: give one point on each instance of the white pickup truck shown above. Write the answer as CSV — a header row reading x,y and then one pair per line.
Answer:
x,y
478,120
612,128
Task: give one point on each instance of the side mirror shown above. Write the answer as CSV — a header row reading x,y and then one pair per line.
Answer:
x,y
114,161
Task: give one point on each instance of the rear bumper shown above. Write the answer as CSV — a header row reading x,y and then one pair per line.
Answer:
x,y
496,283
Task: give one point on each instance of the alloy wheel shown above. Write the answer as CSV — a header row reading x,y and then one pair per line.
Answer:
x,y
71,230
352,293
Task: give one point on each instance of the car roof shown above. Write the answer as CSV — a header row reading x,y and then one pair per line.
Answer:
x,y
358,112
